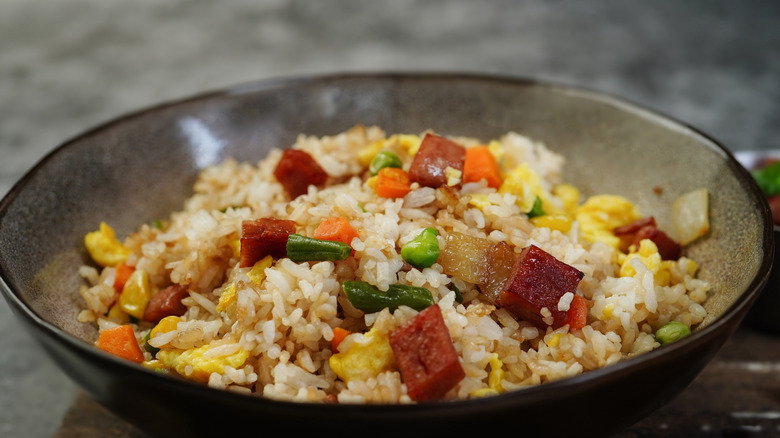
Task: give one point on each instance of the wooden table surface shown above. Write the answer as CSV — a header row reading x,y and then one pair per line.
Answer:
x,y
736,395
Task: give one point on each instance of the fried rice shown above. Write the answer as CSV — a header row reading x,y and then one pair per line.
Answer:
x,y
268,329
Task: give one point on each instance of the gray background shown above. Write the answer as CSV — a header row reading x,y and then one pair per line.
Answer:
x,y
68,65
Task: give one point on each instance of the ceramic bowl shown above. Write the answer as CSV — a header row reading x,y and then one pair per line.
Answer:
x,y
764,313
142,166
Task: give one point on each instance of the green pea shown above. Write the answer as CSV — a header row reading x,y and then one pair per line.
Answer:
x,y
384,159
303,249
422,251
369,298
671,331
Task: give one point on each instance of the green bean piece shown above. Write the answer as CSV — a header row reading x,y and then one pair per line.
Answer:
x,y
147,346
370,299
384,159
458,295
536,209
422,251
672,331
305,249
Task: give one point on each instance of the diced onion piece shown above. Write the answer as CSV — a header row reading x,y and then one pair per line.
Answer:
x,y
690,213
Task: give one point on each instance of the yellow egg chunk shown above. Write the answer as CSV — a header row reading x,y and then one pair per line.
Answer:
x,y
167,324
104,248
193,365
495,376
453,176
479,200
649,256
116,314
558,222
136,294
368,153
495,148
227,298
554,340
599,215
569,196
410,142
235,245
257,273
524,183
364,359
153,364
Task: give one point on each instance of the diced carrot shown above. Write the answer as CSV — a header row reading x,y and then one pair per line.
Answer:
x,y
120,341
338,335
337,229
481,164
123,272
577,316
392,182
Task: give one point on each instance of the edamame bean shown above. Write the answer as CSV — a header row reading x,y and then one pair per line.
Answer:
x,y
384,159
422,251
672,331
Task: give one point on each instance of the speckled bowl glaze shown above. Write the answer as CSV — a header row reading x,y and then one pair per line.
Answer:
x,y
142,166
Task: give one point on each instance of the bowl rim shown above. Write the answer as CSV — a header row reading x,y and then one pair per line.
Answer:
x,y
591,378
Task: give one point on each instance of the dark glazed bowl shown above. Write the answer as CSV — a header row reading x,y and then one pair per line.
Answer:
x,y
764,312
142,166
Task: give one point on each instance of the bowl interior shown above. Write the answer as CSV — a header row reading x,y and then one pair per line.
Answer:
x,y
141,167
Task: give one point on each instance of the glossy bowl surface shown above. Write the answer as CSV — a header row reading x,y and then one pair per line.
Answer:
x,y
142,166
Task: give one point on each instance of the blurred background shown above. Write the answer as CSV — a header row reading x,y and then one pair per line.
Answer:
x,y
68,65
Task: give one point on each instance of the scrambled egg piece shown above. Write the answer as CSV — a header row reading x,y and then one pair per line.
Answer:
x,y
116,314
525,183
227,298
453,176
409,142
558,222
479,200
495,376
136,294
608,311
235,245
600,214
165,325
257,273
192,364
366,359
495,148
104,248
554,340
569,196
648,254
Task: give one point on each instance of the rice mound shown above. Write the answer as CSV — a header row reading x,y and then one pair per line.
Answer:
x,y
273,340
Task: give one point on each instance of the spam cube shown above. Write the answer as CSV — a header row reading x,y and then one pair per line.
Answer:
x,y
262,237
538,282
430,163
425,355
